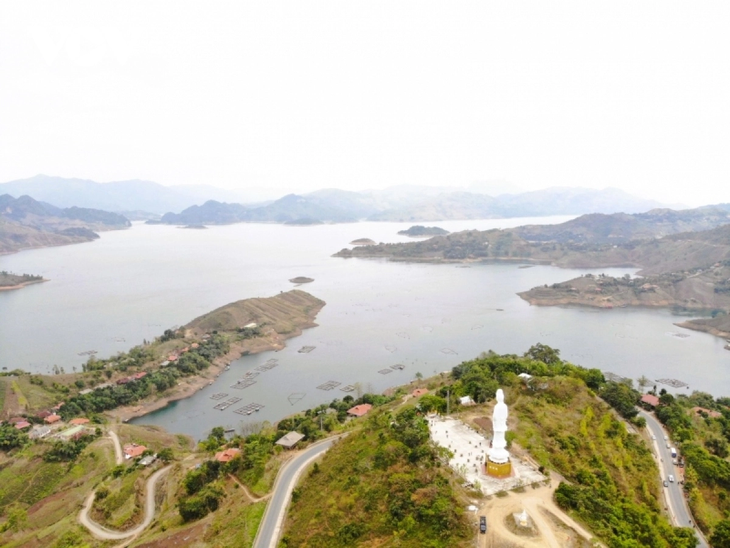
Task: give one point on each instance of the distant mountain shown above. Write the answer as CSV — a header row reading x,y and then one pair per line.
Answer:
x,y
134,195
318,208
551,201
622,227
27,223
29,212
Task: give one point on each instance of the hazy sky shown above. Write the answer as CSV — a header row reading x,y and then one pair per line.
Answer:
x,y
368,94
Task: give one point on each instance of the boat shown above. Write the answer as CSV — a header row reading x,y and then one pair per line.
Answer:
x,y
228,367
248,412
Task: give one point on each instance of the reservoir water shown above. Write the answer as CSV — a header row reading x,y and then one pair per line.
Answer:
x,y
130,285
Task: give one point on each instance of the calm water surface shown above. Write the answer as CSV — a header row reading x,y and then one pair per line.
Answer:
x,y
130,285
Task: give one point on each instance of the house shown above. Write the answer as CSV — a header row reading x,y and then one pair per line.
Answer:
x,y
651,401
149,459
22,424
466,400
39,432
133,450
50,419
74,432
418,392
228,455
78,420
525,376
290,440
359,410
139,375
43,414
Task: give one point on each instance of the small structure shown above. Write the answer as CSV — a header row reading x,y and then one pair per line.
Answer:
x,y
50,419
227,455
22,424
466,400
290,440
359,410
418,392
525,376
73,432
149,459
39,432
79,420
650,400
252,325
133,450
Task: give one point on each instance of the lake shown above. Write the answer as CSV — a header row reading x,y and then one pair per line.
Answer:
x,y
130,285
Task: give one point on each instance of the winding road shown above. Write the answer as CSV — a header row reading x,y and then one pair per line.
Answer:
x,y
673,494
273,520
107,534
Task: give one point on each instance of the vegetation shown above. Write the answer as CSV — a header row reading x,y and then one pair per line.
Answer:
x,y
384,482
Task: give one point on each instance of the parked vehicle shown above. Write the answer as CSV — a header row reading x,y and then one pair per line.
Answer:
x,y
673,451
671,478
483,524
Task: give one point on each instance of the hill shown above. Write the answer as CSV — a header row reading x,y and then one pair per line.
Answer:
x,y
418,231
15,237
622,227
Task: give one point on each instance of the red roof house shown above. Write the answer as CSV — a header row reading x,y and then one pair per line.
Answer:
x,y
227,455
133,450
50,419
22,424
650,400
359,410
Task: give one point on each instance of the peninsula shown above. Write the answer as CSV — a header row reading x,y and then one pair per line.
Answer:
x,y
173,366
14,281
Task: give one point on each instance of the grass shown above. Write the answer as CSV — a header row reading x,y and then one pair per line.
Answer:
x,y
36,397
22,400
3,388
154,437
120,508
236,525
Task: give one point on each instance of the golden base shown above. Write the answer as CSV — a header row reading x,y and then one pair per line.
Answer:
x,y
497,470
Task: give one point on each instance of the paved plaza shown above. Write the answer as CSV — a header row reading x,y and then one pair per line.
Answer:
x,y
470,451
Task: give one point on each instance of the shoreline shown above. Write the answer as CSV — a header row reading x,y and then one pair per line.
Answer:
x,y
22,285
188,386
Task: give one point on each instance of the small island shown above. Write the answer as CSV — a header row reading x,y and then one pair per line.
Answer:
x,y
197,227
304,221
419,231
10,281
301,280
362,241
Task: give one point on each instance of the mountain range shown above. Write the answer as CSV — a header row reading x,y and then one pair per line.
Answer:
x,y
210,205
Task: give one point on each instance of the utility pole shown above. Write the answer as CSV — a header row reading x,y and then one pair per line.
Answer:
x,y
448,402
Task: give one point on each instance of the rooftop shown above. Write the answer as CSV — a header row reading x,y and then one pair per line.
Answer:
x,y
359,410
290,439
650,400
227,455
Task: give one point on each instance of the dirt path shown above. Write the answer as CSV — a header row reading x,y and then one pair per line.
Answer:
x,y
534,501
246,492
117,447
107,534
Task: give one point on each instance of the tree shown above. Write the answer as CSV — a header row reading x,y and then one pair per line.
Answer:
x,y
166,454
543,353
643,382
720,537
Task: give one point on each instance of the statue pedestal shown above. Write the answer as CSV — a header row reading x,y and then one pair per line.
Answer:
x,y
499,469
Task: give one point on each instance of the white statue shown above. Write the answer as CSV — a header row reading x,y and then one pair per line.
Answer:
x,y
498,453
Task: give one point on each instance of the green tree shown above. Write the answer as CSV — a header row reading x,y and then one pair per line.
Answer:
x,y
720,537
543,353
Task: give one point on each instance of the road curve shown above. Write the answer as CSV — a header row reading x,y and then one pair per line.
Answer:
x,y
107,534
271,524
673,494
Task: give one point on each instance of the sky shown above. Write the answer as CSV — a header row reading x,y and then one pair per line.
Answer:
x,y
301,95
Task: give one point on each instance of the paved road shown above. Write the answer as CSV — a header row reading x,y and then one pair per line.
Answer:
x,y
107,534
677,505
271,524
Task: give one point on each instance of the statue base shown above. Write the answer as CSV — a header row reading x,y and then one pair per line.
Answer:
x,y
499,470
